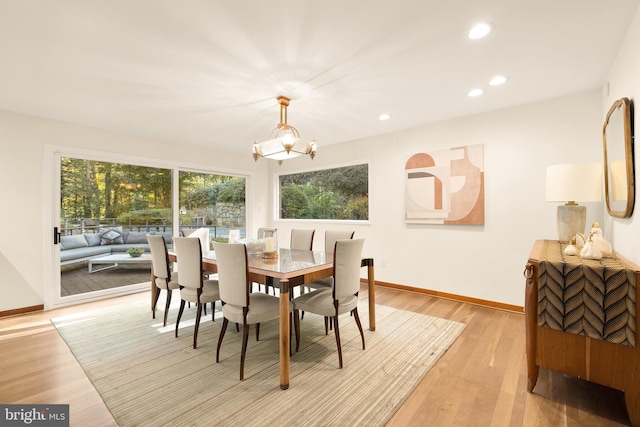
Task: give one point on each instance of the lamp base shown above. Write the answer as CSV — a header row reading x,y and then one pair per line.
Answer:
x,y
572,219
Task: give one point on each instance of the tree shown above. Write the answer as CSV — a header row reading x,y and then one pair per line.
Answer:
x,y
339,193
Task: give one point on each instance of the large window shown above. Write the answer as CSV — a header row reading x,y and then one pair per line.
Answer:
x,y
338,194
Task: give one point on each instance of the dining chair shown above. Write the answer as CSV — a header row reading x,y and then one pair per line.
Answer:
x,y
163,277
343,295
330,238
302,239
264,232
193,287
239,305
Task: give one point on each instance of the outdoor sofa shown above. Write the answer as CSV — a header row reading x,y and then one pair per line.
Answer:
x,y
107,241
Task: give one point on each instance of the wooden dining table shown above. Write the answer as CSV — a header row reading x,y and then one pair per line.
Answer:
x,y
290,269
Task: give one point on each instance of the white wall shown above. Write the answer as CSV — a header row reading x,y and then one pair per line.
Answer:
x,y
624,81
484,262
23,238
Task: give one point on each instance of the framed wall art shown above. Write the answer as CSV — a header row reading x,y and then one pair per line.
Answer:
x,y
445,186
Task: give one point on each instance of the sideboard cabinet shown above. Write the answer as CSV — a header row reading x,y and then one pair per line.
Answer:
x,y
581,319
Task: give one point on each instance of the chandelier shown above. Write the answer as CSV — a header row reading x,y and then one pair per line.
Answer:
x,y
284,142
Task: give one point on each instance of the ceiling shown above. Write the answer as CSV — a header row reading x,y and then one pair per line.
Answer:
x,y
207,73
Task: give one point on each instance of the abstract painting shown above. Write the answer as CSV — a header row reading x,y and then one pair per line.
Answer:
x,y
445,186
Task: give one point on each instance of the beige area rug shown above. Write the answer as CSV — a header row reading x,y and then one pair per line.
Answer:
x,y
147,377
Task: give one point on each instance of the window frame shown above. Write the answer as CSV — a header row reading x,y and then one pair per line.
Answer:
x,y
51,175
276,194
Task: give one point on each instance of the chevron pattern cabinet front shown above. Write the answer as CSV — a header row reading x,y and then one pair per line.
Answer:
x,y
581,319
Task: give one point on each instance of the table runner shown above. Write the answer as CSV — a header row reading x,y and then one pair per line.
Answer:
x,y
594,298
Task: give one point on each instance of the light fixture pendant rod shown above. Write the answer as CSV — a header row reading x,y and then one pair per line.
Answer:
x,y
284,103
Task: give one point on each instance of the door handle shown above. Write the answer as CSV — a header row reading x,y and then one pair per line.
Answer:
x,y
56,236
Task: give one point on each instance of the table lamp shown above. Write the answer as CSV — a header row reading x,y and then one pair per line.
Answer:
x,y
571,183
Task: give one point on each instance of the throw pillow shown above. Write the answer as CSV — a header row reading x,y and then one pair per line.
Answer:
x,y
73,242
93,239
111,236
137,237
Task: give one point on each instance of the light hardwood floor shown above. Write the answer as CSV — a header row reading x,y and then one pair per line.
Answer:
x,y
480,381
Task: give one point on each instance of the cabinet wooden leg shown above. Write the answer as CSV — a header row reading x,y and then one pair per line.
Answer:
x,y
532,378
632,399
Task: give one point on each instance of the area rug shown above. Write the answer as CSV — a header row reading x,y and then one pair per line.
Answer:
x,y
147,377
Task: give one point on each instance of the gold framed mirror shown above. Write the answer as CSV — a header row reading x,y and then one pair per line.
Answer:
x,y
617,138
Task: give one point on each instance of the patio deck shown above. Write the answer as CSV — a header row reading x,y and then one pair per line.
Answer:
x,y
75,279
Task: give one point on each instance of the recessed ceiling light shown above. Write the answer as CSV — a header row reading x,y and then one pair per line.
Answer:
x,y
480,30
476,92
384,116
497,80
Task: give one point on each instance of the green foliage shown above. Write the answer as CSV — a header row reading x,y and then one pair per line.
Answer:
x,y
294,202
200,190
91,189
141,216
232,191
138,194
340,193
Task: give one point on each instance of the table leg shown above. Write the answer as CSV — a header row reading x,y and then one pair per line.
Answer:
x,y
372,296
284,334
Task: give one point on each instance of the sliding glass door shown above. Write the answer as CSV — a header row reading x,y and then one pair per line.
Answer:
x,y
212,201
106,211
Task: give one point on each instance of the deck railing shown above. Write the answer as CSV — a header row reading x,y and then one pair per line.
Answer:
x,y
71,226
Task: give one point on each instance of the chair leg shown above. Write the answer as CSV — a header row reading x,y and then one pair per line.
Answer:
x,y
213,311
225,322
166,307
355,315
326,325
195,330
245,340
155,302
257,331
296,323
337,331
179,316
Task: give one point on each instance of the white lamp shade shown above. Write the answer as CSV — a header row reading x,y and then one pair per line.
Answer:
x,y
575,182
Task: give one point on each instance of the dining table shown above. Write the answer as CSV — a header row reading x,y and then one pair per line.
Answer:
x,y
289,269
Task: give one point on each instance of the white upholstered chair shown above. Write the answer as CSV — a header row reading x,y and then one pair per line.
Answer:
x,y
238,304
264,232
302,239
163,277
193,287
343,295
330,239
